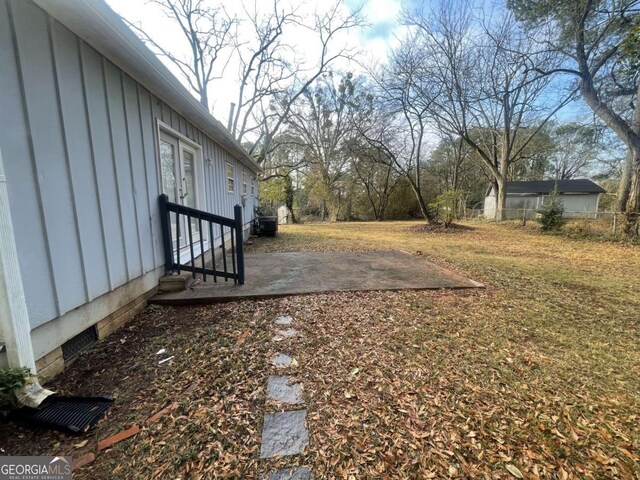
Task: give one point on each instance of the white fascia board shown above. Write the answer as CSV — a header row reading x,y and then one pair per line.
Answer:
x,y
104,30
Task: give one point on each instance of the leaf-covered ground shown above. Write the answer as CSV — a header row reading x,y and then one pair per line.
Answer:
x,y
536,376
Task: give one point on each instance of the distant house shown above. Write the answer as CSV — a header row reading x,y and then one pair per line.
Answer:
x,y
93,130
284,216
579,197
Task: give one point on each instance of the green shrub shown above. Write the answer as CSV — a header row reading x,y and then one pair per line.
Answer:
x,y
449,206
9,381
550,214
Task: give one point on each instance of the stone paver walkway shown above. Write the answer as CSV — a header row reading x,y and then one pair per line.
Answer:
x,y
284,433
286,333
284,320
300,473
281,360
280,389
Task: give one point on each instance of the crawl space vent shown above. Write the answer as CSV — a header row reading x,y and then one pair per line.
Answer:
x,y
73,347
67,414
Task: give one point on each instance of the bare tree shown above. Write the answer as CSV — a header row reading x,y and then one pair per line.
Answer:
x,y
476,79
450,160
396,129
265,69
319,124
598,41
272,79
208,32
376,176
575,150
271,75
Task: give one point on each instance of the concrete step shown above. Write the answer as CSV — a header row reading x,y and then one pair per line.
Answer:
x,y
175,283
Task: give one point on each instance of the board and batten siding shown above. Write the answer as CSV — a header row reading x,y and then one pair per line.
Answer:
x,y
78,138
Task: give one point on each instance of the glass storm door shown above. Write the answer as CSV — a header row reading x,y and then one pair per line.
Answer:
x,y
178,170
188,187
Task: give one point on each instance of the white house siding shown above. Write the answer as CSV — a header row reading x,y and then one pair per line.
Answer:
x,y
580,206
575,205
519,205
78,138
490,206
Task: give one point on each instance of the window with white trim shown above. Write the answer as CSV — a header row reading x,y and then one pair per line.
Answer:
x,y
230,178
253,185
244,183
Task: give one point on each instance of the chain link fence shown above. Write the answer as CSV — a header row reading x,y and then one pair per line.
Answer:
x,y
609,221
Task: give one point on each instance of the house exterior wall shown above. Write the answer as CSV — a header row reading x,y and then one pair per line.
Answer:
x,y
490,206
575,205
519,205
79,142
580,206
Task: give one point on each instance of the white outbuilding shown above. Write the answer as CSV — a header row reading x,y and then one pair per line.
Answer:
x,y
580,198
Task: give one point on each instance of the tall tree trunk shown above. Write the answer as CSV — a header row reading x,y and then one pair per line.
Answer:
x,y
289,198
333,208
381,209
501,199
630,135
424,209
632,211
204,98
625,182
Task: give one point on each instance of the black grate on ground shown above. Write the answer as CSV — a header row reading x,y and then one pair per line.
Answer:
x,y
67,414
72,347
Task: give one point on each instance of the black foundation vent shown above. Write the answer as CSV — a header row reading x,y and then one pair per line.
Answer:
x,y
67,414
76,345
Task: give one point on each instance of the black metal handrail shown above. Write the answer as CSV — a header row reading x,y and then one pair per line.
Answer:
x,y
212,222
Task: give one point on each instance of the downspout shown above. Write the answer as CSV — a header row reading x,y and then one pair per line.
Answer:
x,y
14,318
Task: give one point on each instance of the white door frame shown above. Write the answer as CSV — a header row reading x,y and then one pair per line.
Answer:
x,y
184,143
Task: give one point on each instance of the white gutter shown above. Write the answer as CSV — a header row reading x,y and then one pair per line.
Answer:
x,y
104,30
14,318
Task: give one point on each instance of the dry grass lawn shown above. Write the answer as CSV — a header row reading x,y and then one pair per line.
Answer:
x,y
536,376
541,371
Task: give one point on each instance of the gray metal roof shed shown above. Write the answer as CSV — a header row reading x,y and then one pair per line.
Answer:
x,y
545,187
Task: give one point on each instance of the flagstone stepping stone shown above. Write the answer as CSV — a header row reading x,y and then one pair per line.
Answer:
x,y
284,433
300,473
280,390
287,333
281,360
284,320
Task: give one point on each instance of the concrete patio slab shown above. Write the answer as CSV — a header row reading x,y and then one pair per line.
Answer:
x,y
295,273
